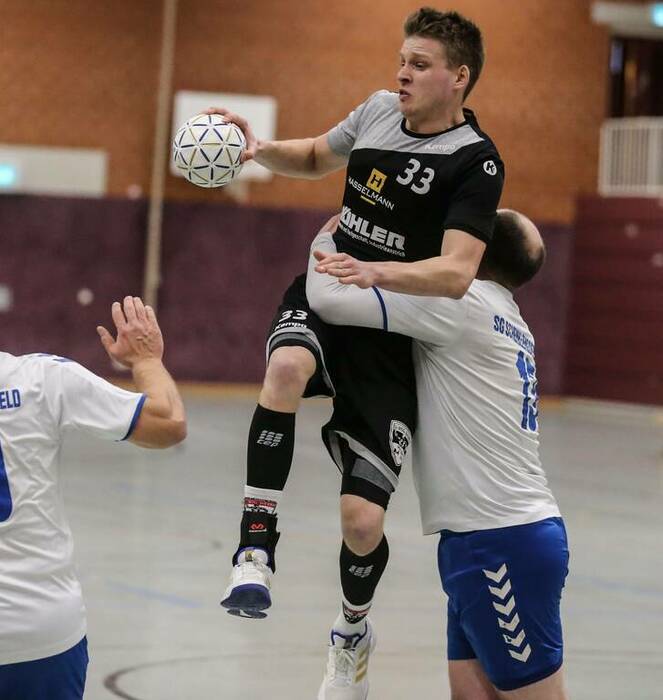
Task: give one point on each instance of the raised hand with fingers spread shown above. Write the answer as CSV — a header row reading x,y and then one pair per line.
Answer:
x,y
138,333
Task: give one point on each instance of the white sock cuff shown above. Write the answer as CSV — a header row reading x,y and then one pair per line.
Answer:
x,y
269,494
268,499
364,607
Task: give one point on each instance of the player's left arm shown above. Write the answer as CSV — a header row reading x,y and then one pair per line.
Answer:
x,y
468,227
447,275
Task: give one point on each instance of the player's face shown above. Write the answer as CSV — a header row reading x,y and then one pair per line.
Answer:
x,y
427,84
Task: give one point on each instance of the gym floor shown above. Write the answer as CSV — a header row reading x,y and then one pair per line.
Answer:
x,y
155,531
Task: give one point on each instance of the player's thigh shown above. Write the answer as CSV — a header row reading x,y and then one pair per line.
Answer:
x,y
375,406
468,681
298,346
551,688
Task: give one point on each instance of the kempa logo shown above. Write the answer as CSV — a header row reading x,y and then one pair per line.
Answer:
x,y
361,571
490,167
399,440
376,180
444,147
269,438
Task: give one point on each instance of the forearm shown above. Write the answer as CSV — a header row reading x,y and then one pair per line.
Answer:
x,y
436,277
164,410
152,379
294,158
340,304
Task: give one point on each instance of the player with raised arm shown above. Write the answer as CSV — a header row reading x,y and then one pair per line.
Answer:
x,y
503,553
43,648
422,187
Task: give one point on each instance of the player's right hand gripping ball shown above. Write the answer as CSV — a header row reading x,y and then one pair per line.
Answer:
x,y
207,150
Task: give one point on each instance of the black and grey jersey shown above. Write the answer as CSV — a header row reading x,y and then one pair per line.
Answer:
x,y
404,189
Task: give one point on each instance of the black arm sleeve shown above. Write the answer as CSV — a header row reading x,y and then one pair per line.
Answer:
x,y
474,203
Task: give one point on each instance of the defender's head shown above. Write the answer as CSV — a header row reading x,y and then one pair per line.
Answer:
x,y
515,253
441,59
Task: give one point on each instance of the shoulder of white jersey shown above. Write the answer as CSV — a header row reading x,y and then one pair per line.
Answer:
x,y
47,366
491,294
9,362
47,358
7,359
42,361
497,301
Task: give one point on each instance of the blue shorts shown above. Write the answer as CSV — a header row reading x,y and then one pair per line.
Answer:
x,y
504,588
59,677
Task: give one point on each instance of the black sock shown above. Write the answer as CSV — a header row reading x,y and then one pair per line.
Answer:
x,y
268,460
270,448
361,575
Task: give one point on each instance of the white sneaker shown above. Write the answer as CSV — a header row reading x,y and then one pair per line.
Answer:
x,y
250,581
346,677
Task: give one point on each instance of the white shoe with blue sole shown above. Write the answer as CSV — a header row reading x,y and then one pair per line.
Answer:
x,y
251,579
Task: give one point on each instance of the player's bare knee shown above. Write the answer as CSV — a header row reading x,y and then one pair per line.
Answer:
x,y
289,370
362,528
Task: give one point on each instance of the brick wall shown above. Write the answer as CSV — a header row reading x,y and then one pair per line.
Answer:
x,y
82,73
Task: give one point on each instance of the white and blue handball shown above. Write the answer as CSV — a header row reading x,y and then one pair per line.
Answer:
x,y
207,150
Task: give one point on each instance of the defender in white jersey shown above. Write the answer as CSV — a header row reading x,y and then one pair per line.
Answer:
x,y
43,651
503,554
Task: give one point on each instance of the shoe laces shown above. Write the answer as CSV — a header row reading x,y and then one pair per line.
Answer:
x,y
340,665
248,569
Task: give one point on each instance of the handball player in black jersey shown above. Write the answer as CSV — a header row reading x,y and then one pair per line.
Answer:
x,y
422,187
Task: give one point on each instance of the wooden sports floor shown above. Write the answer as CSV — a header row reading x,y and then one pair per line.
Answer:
x,y
155,531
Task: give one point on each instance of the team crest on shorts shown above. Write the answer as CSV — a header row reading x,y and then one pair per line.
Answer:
x,y
399,440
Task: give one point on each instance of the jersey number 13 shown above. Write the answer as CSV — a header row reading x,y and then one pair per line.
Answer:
x,y
527,371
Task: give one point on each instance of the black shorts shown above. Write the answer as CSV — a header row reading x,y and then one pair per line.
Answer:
x,y
370,375
375,407
295,324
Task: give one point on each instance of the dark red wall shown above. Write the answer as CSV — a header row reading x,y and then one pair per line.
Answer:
x,y
224,271
52,248
544,305
615,348
225,268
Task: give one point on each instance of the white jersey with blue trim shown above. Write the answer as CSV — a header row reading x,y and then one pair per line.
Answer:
x,y
42,397
476,450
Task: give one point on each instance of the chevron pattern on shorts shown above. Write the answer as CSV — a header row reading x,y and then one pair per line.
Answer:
x,y
505,605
